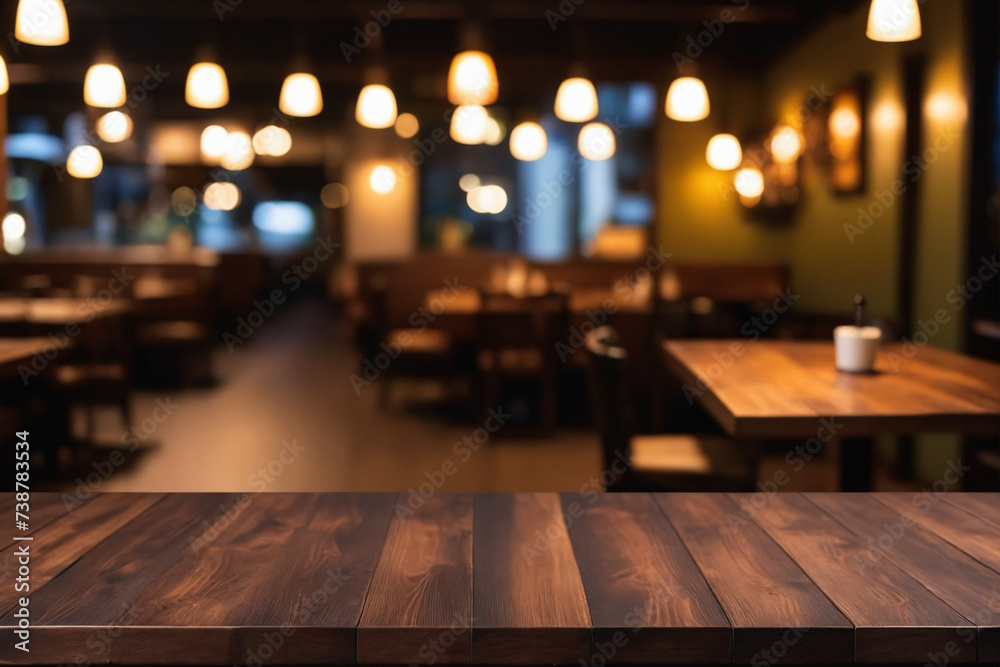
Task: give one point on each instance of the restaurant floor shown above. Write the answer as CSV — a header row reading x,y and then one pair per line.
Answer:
x,y
284,416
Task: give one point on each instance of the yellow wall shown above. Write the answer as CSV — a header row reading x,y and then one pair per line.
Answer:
x,y
826,268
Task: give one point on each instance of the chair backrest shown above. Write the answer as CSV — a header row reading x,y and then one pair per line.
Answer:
x,y
508,321
610,395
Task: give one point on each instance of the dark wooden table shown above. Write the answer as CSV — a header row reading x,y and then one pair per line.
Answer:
x,y
786,389
507,579
16,351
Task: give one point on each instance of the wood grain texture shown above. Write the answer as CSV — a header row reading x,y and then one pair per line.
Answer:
x,y
529,605
933,391
59,543
288,576
648,600
986,506
897,619
772,604
419,606
975,536
965,584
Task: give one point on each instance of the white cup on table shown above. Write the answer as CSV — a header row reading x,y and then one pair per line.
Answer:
x,y
856,347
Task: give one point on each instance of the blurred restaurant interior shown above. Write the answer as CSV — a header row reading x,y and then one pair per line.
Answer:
x,y
552,245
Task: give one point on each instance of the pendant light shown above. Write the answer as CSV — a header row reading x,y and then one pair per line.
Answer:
x,y
84,162
4,79
576,100
687,99
301,95
104,85
724,152
376,103
472,77
893,21
469,124
528,142
113,127
596,142
207,86
41,22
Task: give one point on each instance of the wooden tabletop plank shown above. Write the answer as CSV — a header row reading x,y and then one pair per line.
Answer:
x,y
984,505
58,544
419,607
965,584
286,575
967,531
772,604
648,600
529,605
932,391
897,618
16,351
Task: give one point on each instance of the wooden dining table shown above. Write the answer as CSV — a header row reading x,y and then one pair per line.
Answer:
x,y
530,578
792,389
17,351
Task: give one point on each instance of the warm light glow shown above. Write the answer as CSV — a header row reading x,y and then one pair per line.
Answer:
x,y
472,79
469,124
596,141
222,196
786,145
887,116
528,142
4,79
468,182
272,140
14,226
239,151
495,132
487,199
893,21
376,107
382,179
844,122
334,195
687,99
214,139
724,152
749,182
41,22
104,86
84,162
301,96
407,125
944,106
114,126
576,100
207,86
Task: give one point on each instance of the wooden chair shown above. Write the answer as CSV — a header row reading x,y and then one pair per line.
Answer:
x,y
655,462
416,352
516,339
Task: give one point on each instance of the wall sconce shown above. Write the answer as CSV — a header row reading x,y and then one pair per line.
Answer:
x,y
846,134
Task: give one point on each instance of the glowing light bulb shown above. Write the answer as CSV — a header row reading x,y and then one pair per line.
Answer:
x,y
382,179
469,124
472,79
41,22
207,86
576,100
84,162
724,152
222,196
893,21
114,126
596,141
213,142
687,99
301,96
528,142
239,151
272,140
376,107
407,125
786,145
749,182
104,86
